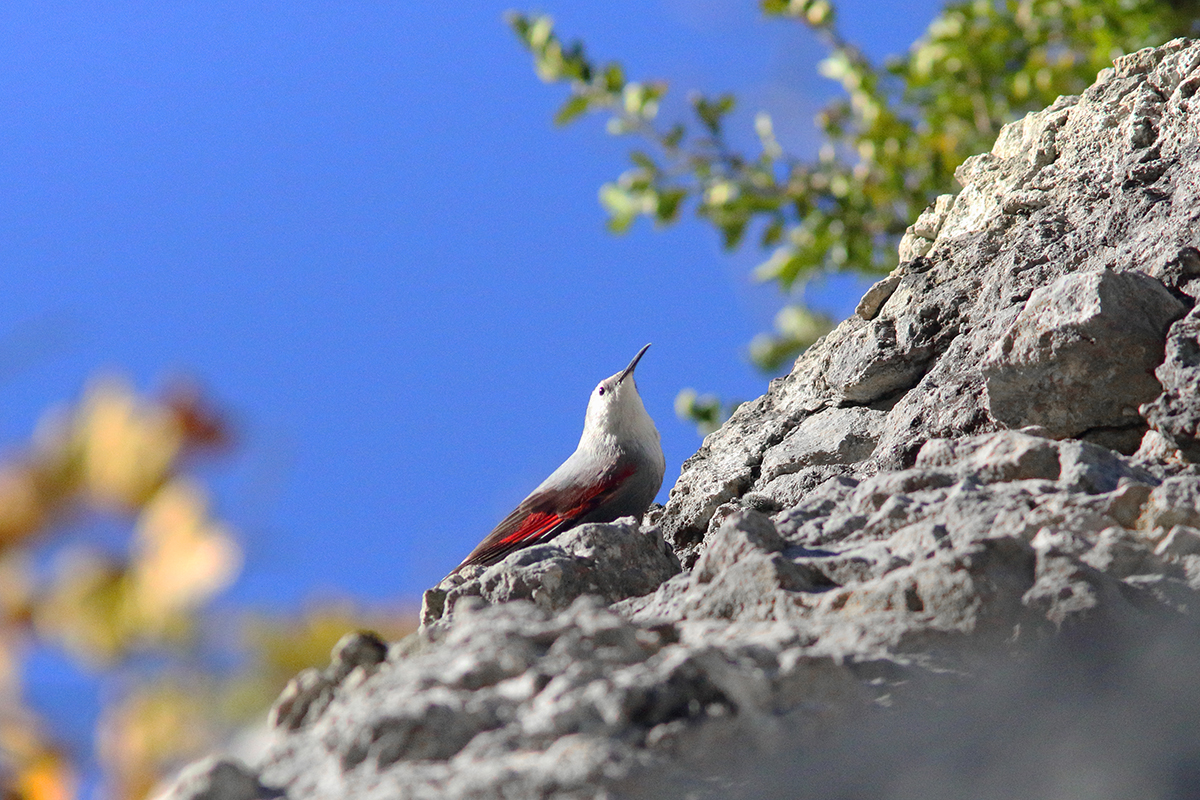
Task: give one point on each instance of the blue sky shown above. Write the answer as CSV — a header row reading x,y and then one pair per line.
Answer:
x,y
356,224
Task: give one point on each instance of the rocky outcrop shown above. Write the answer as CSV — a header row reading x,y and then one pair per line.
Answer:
x,y
956,552
611,562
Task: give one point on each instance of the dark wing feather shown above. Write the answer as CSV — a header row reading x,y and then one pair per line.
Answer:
x,y
542,516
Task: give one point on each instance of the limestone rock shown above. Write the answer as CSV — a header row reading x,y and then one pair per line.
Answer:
x,y
612,561
1081,353
839,436
218,779
897,572
534,704
356,654
1176,412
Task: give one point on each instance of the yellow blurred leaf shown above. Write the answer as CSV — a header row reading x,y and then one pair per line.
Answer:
x,y
284,646
181,556
154,729
82,608
47,777
127,448
21,509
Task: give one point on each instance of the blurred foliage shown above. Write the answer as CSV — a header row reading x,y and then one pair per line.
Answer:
x,y
891,143
139,620
706,410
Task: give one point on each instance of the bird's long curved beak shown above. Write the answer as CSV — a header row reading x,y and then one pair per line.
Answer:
x,y
629,370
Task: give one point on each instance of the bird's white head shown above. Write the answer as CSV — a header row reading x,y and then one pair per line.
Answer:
x,y
615,414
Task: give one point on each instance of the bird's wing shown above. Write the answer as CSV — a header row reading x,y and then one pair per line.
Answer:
x,y
542,516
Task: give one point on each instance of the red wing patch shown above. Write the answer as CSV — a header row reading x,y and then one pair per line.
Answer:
x,y
542,516
533,525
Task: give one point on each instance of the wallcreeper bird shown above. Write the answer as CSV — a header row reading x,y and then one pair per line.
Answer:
x,y
616,471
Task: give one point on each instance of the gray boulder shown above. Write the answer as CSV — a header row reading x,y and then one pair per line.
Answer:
x,y
1081,354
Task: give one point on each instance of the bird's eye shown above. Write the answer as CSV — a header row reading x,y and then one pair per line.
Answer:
x,y
600,390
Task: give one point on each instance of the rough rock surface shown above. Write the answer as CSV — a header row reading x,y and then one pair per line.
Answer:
x,y
956,552
1087,329
609,561
1176,412
219,779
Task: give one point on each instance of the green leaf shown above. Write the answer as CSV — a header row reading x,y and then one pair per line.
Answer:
x,y
773,233
576,105
801,325
720,193
673,137
818,13
540,32
576,65
617,127
642,160
765,129
711,112
784,262
614,77
706,411
669,202
520,25
797,328
622,207
731,234
549,62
